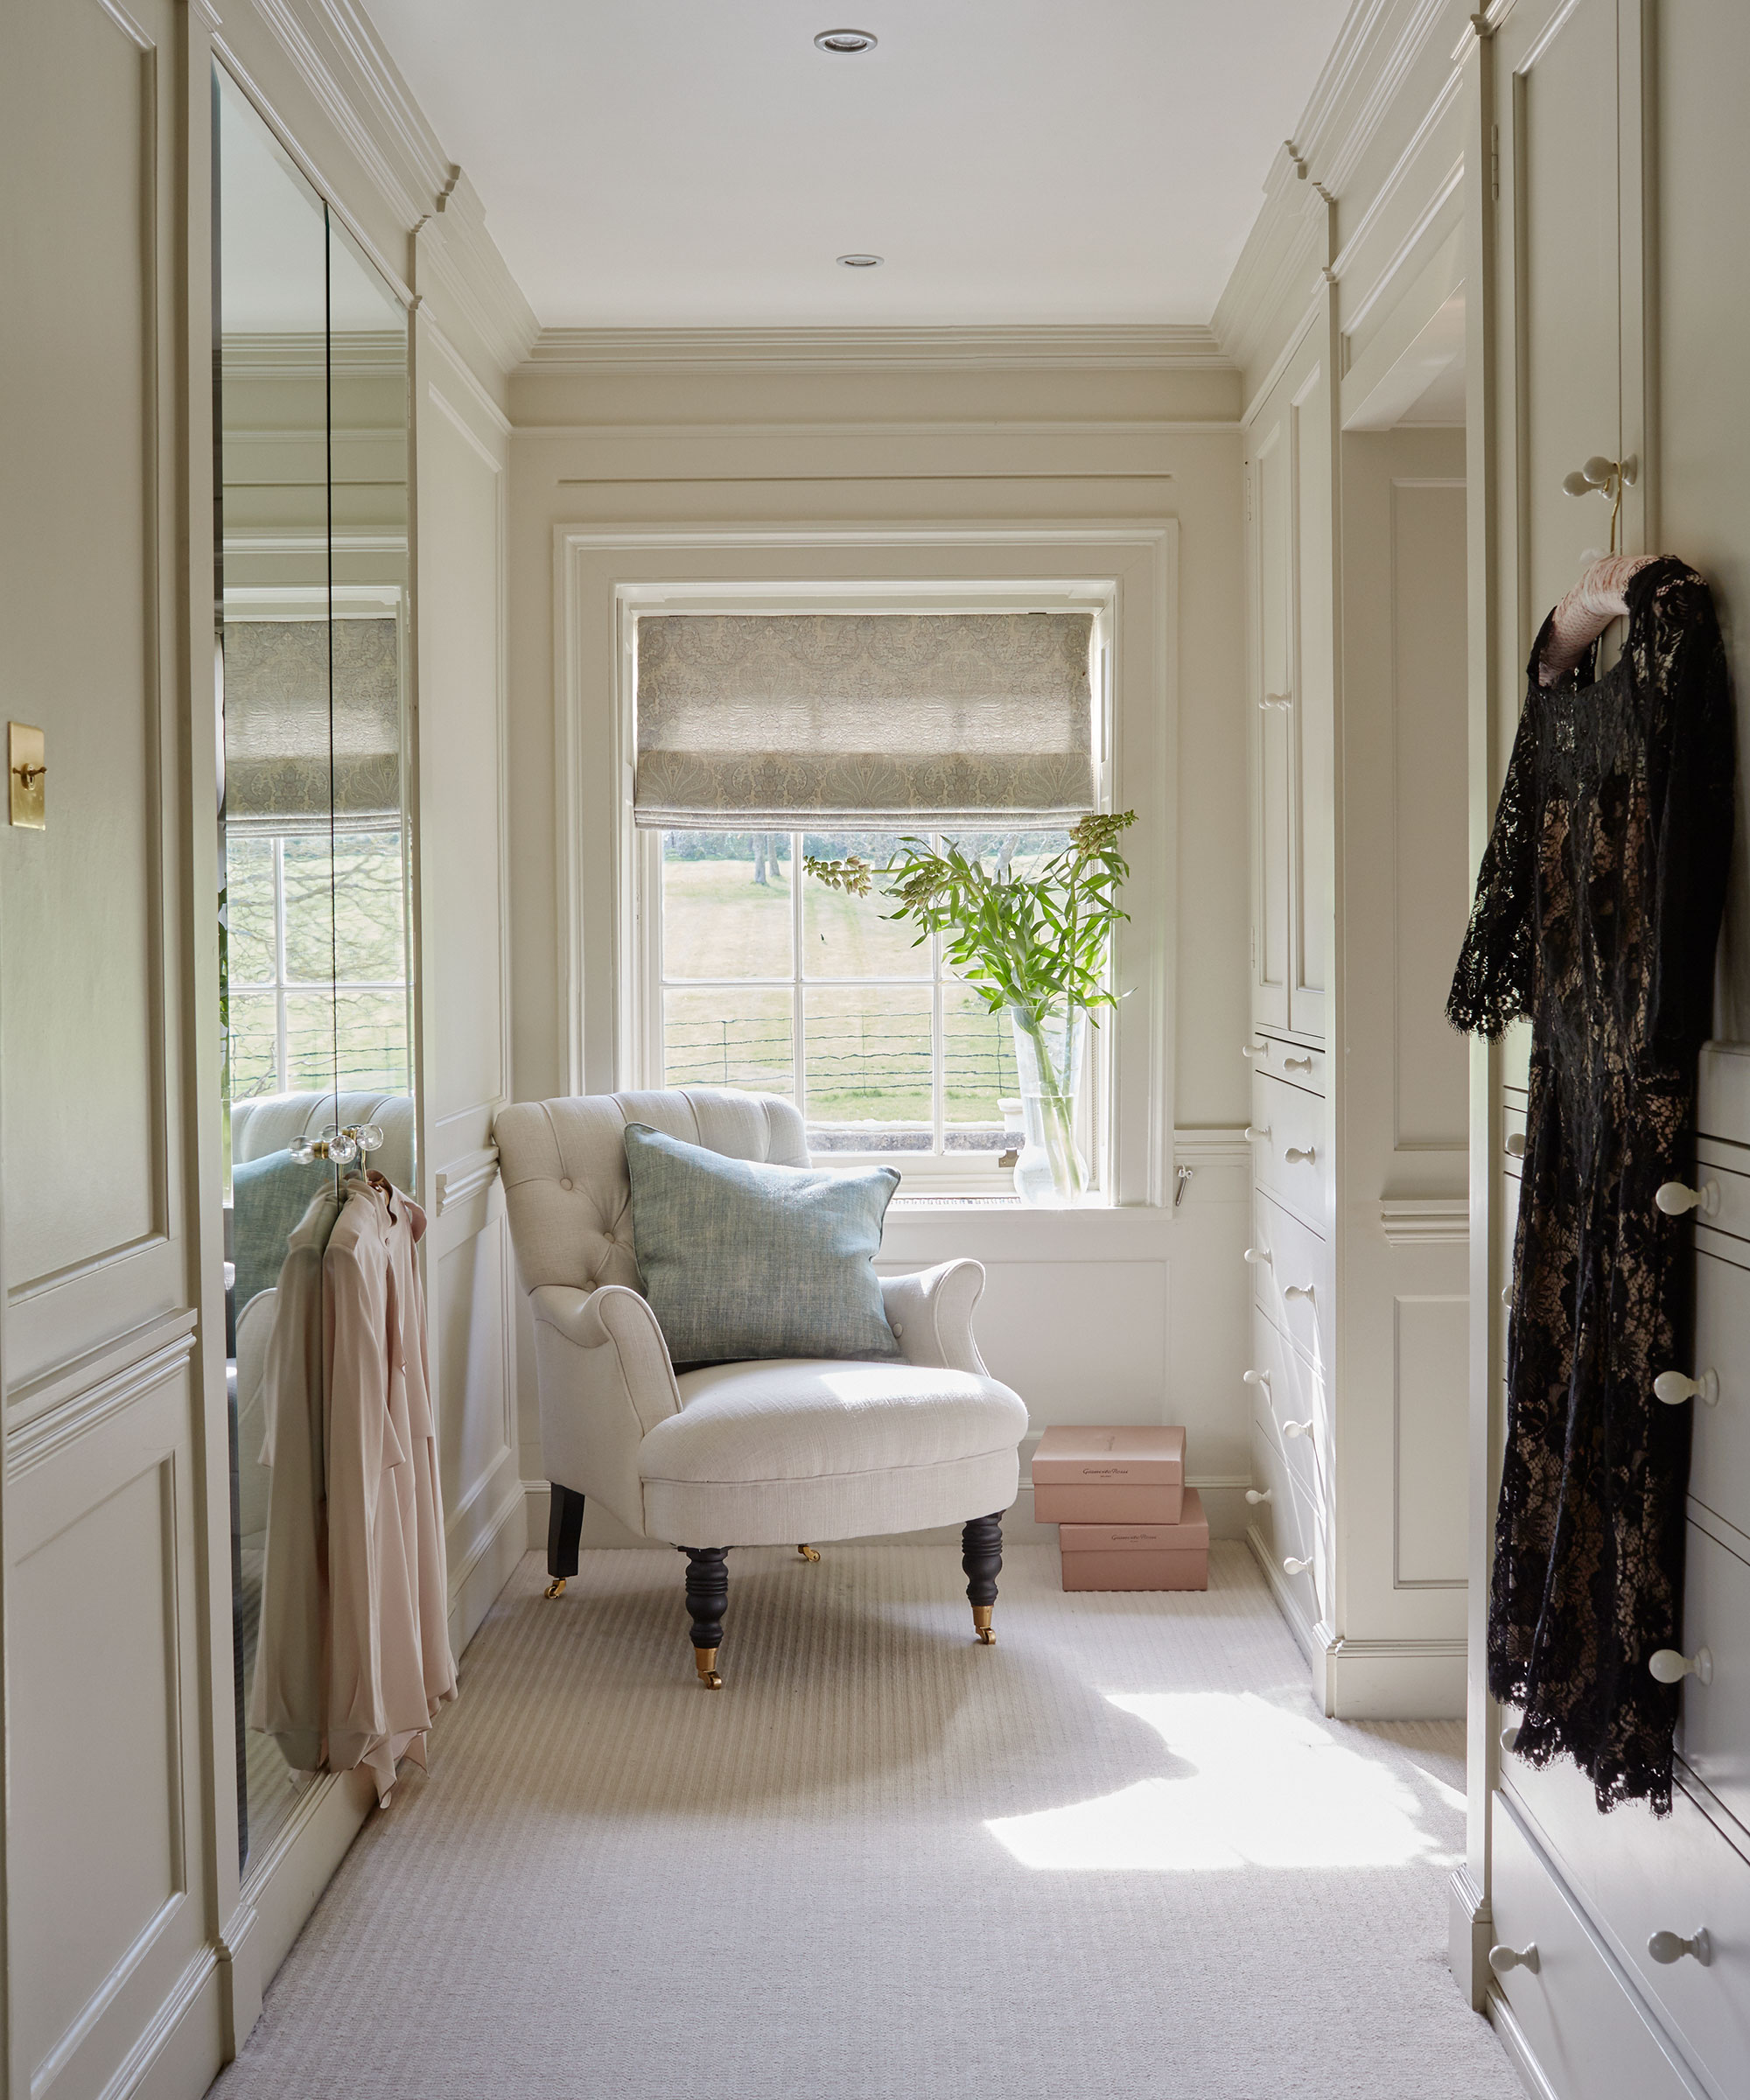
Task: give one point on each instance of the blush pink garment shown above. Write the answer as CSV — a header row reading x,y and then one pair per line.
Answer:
x,y
389,1665
1587,611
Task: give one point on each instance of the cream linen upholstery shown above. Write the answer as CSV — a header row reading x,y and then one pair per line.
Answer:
x,y
745,1453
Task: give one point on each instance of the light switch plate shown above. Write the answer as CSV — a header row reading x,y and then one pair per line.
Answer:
x,y
25,770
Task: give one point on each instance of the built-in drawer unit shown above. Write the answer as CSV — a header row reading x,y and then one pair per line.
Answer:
x,y
1723,1186
1679,1876
1287,1523
1293,1062
1719,1461
1289,1155
1289,1276
1513,1129
1714,1737
1577,2010
1288,1401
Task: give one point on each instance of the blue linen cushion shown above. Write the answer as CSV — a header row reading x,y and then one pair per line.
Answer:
x,y
269,1196
741,1259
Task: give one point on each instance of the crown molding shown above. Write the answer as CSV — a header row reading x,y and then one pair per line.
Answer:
x,y
1356,95
1117,346
337,56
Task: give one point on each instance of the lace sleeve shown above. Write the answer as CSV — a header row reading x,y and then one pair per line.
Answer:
x,y
1493,983
1679,659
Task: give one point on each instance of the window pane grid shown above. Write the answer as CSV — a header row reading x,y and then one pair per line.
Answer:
x,y
917,1070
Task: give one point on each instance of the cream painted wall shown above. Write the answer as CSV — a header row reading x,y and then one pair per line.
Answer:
x,y
1133,1315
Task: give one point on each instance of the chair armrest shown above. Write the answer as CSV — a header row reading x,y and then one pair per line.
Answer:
x,y
930,1312
605,1379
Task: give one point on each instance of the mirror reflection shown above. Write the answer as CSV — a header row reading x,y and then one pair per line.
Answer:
x,y
312,374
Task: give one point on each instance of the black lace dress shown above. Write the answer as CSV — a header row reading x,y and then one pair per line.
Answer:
x,y
1597,915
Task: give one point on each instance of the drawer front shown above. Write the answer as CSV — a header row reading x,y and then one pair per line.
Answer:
x,y
1590,2037
1290,1062
1290,1156
1673,1875
1726,1190
1287,1523
1289,1276
1294,1393
1719,1461
1714,1736
1513,1131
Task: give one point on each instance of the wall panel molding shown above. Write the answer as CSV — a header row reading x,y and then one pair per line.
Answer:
x,y
1115,348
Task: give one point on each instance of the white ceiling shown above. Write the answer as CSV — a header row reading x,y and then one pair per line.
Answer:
x,y
698,162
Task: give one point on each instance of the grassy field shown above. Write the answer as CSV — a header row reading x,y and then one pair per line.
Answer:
x,y
867,1047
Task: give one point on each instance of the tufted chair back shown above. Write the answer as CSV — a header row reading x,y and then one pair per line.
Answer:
x,y
562,1164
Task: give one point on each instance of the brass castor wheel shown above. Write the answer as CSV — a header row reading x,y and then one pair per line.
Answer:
x,y
980,1626
704,1660
807,1553
556,1588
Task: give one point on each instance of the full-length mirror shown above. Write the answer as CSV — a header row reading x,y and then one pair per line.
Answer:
x,y
310,371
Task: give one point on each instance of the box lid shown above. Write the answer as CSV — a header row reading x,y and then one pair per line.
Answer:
x,y
1083,1456
1189,1535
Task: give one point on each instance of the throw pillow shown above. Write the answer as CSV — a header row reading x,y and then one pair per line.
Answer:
x,y
269,1196
741,1259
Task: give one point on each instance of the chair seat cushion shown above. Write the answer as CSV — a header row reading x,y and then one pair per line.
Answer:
x,y
780,1451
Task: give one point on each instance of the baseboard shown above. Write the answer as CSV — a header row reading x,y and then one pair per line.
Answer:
x,y
282,1886
1518,2049
1470,1931
1394,1680
1312,1645
180,2053
476,1580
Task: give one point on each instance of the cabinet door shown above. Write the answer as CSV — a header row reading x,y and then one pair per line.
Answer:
x,y
1313,832
1273,698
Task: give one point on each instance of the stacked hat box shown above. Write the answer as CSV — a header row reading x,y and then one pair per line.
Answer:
x,y
1125,1519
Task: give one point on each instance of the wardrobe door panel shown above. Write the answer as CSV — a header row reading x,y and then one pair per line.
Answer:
x,y
1273,699
1560,155
1313,829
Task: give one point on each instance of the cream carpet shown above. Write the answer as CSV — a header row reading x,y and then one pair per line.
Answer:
x,y
1120,1853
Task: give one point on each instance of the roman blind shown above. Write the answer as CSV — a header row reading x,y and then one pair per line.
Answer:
x,y
312,722
776,720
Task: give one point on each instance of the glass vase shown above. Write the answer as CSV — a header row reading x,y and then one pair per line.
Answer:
x,y
1051,1173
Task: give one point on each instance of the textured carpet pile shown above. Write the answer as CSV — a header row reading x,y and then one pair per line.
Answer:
x,y
1120,1853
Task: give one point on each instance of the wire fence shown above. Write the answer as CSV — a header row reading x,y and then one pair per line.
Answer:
x,y
851,1055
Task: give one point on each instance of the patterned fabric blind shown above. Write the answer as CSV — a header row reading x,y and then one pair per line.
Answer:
x,y
775,720
312,722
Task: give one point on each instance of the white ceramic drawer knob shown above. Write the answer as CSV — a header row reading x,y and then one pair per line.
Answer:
x,y
1670,1668
1276,703
1297,1428
1255,1496
1256,1378
1295,1567
1258,1255
1296,1064
1507,1296
1501,1959
1510,1737
1296,1157
1253,1049
1672,1946
1674,1198
1299,1290
1254,1135
1515,1145
1674,1389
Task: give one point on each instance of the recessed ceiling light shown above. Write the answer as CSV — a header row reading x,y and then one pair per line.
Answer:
x,y
860,262
845,43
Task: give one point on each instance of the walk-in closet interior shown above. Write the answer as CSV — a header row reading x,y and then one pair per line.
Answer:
x,y
509,518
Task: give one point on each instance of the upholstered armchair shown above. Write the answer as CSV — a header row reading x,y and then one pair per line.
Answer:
x,y
771,1452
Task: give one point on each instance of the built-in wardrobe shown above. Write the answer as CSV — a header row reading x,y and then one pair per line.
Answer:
x,y
252,468
1605,208
1354,512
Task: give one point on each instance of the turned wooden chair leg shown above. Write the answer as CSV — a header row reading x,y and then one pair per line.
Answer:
x,y
707,1596
807,1552
981,1556
565,1528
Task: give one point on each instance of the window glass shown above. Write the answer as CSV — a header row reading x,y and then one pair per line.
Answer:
x,y
249,911
847,936
978,1071
730,1036
867,1054
726,904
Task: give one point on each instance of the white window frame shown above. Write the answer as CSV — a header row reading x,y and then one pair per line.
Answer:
x,y
934,1174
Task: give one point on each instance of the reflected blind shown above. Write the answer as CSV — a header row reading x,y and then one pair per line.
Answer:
x,y
773,721
312,718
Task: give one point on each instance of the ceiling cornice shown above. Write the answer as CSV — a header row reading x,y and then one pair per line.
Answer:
x,y
336,52
1119,346
1380,45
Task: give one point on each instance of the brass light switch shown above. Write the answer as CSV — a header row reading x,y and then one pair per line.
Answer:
x,y
25,771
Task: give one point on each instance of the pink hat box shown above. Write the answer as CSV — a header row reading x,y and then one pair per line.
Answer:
x,y
1138,1556
1087,1475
